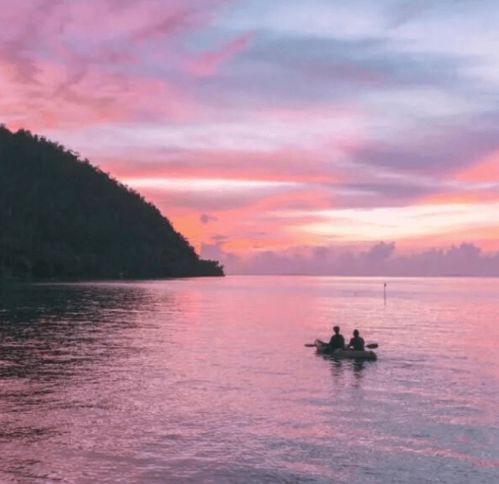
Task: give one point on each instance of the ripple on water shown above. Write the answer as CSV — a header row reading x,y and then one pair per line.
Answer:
x,y
185,381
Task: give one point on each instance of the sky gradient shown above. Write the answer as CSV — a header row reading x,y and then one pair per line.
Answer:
x,y
304,136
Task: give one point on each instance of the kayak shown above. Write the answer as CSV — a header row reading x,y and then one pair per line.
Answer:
x,y
323,349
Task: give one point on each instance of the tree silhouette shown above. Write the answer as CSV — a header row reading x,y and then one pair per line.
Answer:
x,y
62,218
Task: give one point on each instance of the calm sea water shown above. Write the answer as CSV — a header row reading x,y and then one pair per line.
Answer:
x,y
208,380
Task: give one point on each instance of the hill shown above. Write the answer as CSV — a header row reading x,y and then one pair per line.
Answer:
x,y
62,218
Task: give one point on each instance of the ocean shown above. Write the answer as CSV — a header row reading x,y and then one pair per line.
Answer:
x,y
208,380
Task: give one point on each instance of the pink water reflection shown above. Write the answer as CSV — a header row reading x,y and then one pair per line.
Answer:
x,y
209,381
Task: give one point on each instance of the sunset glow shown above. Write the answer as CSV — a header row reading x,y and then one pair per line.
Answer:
x,y
273,127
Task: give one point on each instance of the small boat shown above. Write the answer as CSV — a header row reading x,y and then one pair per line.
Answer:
x,y
323,349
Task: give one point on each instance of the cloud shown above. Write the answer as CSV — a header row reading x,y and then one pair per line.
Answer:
x,y
205,218
434,151
380,252
380,259
208,63
287,70
71,65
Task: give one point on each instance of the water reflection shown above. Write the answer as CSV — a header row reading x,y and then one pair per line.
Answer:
x,y
56,341
48,333
341,369
196,380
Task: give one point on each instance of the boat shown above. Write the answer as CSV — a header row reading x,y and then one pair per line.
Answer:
x,y
323,349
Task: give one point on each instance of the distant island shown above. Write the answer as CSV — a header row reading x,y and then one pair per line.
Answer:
x,y
63,219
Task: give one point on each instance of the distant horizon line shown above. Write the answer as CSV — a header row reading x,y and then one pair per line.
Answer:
x,y
399,276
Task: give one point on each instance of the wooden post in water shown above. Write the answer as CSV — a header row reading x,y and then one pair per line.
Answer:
x,y
384,292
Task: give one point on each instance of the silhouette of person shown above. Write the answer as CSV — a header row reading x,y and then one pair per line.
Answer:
x,y
337,341
356,343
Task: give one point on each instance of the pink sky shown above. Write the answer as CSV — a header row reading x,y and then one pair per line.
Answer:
x,y
265,129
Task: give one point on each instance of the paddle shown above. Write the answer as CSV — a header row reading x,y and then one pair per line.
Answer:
x,y
371,346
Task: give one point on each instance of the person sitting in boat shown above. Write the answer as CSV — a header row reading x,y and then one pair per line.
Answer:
x,y
337,341
356,343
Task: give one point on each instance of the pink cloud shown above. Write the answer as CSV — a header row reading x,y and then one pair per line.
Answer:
x,y
485,169
94,98
71,64
245,217
285,165
208,63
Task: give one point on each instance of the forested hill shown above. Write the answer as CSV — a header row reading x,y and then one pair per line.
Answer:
x,y
62,218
